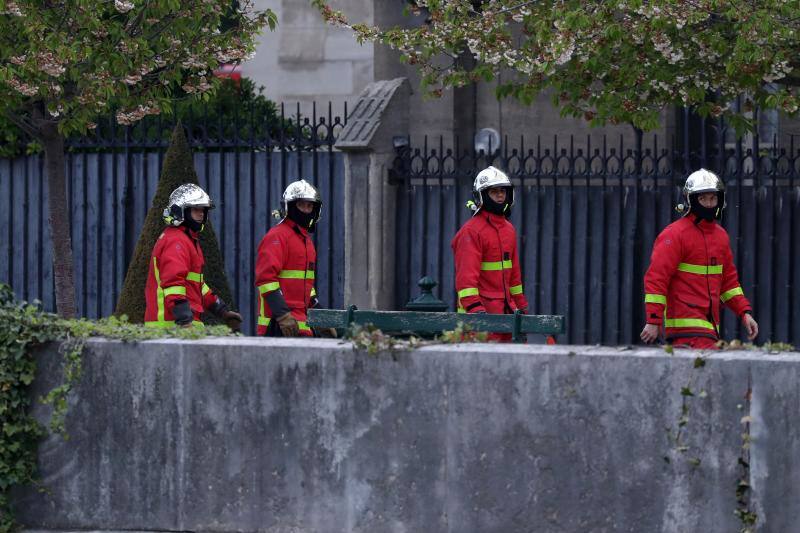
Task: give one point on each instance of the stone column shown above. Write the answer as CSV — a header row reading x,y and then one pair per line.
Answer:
x,y
379,117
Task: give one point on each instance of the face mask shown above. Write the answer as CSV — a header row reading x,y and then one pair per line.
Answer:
x,y
494,207
191,223
304,220
704,213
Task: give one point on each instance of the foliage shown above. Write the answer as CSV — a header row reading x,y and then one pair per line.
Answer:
x,y
215,119
231,104
178,169
373,340
462,333
69,62
617,61
23,327
63,63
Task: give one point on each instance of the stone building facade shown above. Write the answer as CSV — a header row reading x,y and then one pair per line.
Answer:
x,y
307,61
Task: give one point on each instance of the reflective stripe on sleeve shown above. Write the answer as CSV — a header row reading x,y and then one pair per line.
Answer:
x,y
516,289
471,291
655,299
727,295
269,287
174,290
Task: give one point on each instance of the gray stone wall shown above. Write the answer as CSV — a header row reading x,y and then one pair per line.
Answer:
x,y
303,436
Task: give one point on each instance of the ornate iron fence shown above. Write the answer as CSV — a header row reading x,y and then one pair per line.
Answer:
x,y
587,213
244,164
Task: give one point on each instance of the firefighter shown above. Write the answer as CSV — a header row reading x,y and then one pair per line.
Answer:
x,y
176,293
488,275
286,267
692,272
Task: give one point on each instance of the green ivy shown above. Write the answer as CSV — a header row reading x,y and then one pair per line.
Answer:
x,y
24,327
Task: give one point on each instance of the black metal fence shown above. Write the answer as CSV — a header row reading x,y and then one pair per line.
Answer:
x,y
112,178
587,215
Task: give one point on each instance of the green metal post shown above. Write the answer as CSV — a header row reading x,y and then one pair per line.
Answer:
x,y
517,326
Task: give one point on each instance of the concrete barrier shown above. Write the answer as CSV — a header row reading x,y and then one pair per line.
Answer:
x,y
295,436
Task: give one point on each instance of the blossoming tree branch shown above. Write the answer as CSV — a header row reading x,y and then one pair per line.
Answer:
x,y
617,61
63,63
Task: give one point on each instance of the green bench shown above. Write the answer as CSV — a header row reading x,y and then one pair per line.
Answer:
x,y
416,322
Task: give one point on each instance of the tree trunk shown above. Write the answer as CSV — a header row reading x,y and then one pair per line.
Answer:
x,y
59,218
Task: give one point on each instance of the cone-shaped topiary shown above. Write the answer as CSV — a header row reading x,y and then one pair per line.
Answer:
x,y
178,169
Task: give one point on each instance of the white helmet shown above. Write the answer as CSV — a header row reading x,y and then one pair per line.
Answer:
x,y
701,181
302,190
486,179
185,197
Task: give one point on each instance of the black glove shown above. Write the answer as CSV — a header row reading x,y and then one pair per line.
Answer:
x,y
233,320
182,313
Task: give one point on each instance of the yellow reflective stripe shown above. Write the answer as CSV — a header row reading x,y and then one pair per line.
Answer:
x,y
461,310
700,269
159,292
194,276
727,295
496,265
516,289
296,274
471,291
313,291
269,287
655,299
205,290
174,290
688,323
303,325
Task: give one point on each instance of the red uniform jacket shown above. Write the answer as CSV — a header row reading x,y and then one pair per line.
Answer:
x,y
488,276
176,273
691,271
286,262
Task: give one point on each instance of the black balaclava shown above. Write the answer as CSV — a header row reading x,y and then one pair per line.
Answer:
x,y
494,207
705,213
190,223
304,220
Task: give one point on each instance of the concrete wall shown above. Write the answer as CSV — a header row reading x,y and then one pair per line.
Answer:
x,y
308,436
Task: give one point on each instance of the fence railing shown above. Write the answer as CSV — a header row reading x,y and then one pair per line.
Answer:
x,y
587,212
111,180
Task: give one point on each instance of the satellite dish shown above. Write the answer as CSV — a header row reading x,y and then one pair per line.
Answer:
x,y
487,140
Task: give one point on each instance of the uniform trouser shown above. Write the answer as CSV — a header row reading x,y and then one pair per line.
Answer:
x,y
500,307
696,343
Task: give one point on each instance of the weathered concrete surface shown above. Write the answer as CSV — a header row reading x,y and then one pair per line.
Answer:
x,y
307,436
